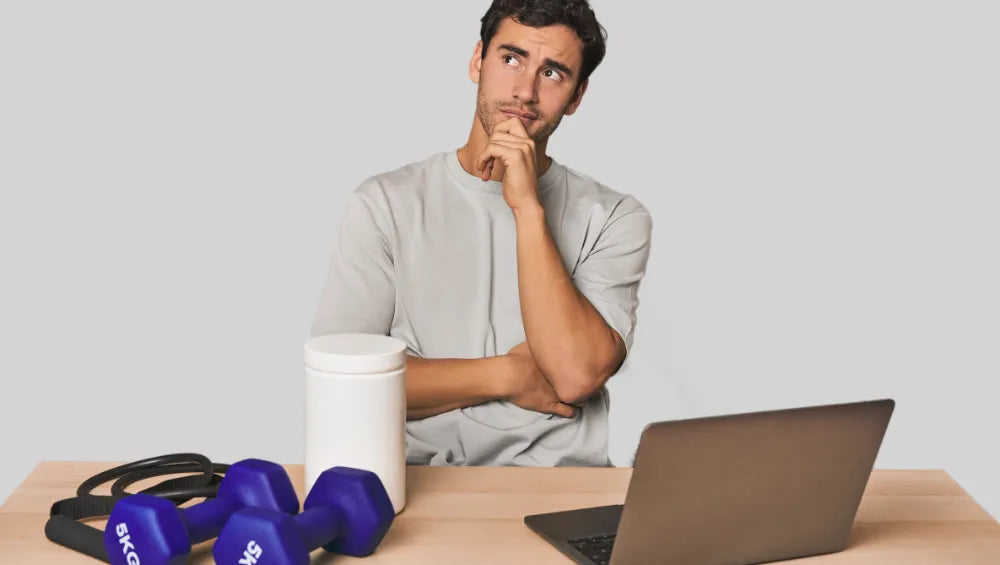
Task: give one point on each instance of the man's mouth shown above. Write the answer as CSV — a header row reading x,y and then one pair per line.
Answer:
x,y
526,119
528,115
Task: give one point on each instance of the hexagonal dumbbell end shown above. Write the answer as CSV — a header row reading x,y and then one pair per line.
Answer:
x,y
153,531
348,511
362,498
255,483
146,529
254,536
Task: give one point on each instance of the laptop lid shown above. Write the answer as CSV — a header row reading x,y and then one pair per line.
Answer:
x,y
749,488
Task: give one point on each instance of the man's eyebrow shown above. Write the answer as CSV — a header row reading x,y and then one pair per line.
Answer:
x,y
550,62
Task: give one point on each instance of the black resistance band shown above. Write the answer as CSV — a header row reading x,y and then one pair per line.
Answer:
x,y
64,529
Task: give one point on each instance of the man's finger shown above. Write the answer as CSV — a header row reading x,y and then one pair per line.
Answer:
x,y
567,410
494,151
512,125
563,409
512,143
504,136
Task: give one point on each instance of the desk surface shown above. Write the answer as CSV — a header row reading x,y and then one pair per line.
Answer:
x,y
474,515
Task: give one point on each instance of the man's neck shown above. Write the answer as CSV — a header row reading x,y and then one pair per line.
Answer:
x,y
477,142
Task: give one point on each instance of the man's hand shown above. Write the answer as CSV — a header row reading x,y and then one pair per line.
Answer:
x,y
511,145
529,388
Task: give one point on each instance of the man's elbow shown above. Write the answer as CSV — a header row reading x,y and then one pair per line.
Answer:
x,y
577,394
577,382
574,385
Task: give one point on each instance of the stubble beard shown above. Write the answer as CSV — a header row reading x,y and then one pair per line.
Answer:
x,y
488,113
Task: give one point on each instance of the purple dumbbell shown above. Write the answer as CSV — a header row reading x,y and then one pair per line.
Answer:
x,y
348,511
154,531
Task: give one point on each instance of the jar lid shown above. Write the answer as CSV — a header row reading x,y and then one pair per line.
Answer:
x,y
355,353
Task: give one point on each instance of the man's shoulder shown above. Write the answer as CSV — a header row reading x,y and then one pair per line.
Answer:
x,y
405,179
590,192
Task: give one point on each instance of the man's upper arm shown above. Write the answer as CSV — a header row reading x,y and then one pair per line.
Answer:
x,y
610,273
359,295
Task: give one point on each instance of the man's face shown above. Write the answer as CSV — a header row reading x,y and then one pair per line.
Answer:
x,y
528,70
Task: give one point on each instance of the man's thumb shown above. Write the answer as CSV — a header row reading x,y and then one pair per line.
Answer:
x,y
567,410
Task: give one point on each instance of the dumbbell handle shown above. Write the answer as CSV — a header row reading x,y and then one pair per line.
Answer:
x,y
319,525
204,520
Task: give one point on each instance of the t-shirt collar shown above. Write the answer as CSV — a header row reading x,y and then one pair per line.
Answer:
x,y
471,182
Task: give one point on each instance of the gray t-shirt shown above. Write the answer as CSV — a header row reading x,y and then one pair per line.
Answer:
x,y
427,254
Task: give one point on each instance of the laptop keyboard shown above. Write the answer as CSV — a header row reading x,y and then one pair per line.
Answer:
x,y
596,548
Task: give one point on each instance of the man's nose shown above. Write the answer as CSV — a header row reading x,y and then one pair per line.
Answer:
x,y
526,88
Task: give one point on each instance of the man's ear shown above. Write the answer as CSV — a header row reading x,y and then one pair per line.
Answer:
x,y
577,98
476,63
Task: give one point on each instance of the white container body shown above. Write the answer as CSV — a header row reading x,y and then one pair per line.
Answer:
x,y
357,420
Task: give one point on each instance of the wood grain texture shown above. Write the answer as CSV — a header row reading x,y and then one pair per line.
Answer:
x,y
474,515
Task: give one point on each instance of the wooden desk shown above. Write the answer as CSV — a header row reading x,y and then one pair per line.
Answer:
x,y
474,515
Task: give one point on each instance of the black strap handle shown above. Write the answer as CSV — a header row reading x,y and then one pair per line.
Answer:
x,y
64,528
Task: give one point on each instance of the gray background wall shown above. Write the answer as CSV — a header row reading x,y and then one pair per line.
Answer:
x,y
822,176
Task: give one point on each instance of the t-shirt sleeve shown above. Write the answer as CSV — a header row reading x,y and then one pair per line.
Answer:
x,y
359,295
610,273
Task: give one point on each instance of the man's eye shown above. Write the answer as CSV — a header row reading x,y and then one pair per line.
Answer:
x,y
552,73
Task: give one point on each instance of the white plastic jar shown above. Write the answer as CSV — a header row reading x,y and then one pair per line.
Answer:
x,y
355,408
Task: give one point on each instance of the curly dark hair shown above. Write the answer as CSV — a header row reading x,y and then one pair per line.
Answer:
x,y
574,14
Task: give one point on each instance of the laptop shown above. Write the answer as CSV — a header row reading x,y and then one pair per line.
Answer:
x,y
733,490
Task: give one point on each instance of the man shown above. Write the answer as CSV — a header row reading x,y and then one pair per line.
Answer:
x,y
511,277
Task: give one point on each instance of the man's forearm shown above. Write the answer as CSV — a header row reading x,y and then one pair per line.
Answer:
x,y
571,342
434,386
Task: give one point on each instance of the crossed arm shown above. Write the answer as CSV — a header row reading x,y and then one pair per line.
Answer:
x,y
570,341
